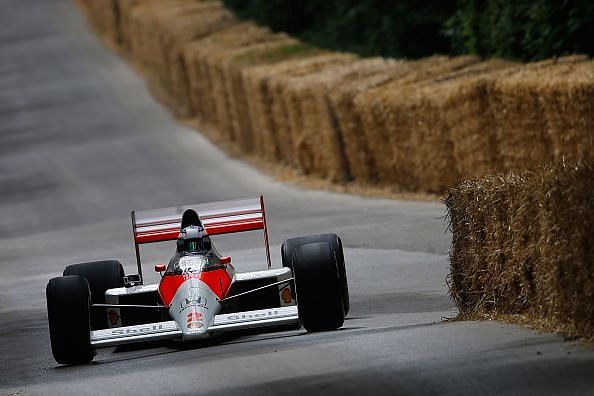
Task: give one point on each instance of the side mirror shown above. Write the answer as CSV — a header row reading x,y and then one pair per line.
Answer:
x,y
160,267
225,260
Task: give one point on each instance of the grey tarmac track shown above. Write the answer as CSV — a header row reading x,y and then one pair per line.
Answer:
x,y
82,143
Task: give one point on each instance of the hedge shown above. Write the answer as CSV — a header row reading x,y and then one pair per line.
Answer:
x,y
524,29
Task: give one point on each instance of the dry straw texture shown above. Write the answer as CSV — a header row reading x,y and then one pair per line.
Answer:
x,y
238,62
267,110
523,244
315,132
518,100
391,123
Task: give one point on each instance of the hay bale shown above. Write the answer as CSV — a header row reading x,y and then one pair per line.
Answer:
x,y
282,104
390,120
314,127
125,26
470,121
516,100
222,82
568,105
522,244
196,54
206,92
239,60
358,154
266,108
437,144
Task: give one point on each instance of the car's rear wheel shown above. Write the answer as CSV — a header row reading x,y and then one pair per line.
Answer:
x,y
102,275
289,246
318,286
68,305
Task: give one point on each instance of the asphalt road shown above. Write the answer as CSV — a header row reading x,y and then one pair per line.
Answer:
x,y
82,144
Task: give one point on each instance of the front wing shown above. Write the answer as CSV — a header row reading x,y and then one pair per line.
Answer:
x,y
169,329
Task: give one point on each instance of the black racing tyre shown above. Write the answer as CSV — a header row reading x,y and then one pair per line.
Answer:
x,y
289,246
102,275
318,286
68,305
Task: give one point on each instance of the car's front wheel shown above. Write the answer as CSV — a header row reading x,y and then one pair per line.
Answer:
x,y
319,287
68,305
289,246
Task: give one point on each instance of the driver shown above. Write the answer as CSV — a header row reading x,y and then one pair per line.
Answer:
x,y
193,239
195,252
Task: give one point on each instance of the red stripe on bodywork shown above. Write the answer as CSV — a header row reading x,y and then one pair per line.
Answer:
x,y
169,285
218,280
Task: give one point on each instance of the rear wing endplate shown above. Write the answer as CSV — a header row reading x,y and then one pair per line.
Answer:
x,y
218,218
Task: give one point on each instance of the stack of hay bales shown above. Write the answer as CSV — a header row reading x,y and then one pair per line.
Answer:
x,y
360,160
207,88
518,101
435,138
389,115
268,113
221,72
239,61
408,125
523,244
315,131
124,11
470,120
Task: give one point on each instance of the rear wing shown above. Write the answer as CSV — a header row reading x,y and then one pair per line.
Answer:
x,y
224,217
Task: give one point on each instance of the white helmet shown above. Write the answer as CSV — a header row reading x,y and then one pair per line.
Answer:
x,y
193,238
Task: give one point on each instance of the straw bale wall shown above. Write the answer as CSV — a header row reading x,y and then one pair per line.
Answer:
x,y
266,109
389,115
316,137
421,125
523,245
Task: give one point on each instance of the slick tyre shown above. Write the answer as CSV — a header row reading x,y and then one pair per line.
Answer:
x,y
318,286
102,275
68,305
289,246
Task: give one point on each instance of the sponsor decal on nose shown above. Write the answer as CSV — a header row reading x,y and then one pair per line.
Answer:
x,y
195,325
193,301
194,316
195,320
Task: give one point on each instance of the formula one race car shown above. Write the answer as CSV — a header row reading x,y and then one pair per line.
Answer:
x,y
200,295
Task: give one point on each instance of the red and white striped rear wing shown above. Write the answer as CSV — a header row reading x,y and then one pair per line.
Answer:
x,y
223,217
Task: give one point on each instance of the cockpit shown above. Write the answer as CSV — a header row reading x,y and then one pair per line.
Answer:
x,y
187,263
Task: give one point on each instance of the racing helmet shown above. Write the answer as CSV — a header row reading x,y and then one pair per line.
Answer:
x,y
193,238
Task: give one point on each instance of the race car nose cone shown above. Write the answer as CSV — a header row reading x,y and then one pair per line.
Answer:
x,y
193,308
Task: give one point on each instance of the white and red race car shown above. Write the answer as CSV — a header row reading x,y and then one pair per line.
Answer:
x,y
95,305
